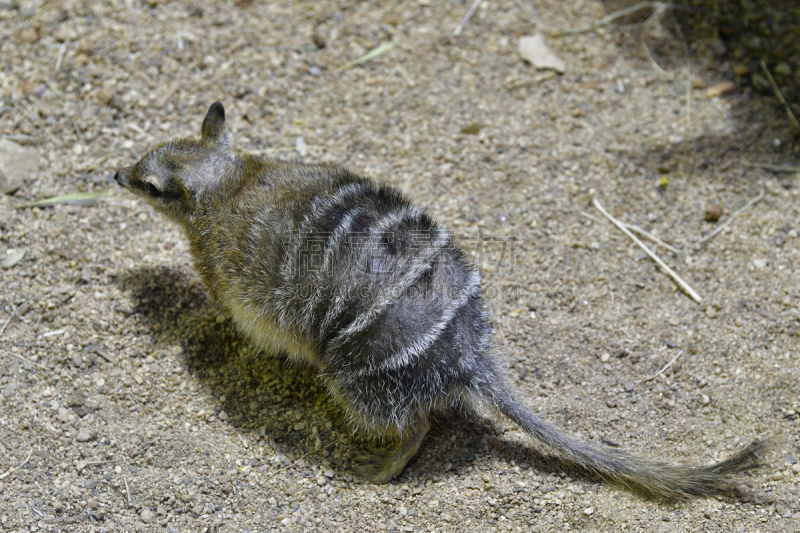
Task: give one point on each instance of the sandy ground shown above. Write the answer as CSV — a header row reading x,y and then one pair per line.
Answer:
x,y
137,406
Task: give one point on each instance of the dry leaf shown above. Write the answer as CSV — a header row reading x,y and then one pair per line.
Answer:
x,y
535,51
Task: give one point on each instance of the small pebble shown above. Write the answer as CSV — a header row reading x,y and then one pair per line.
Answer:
x,y
472,129
29,35
83,436
713,212
85,46
301,146
721,89
699,83
704,399
147,516
782,70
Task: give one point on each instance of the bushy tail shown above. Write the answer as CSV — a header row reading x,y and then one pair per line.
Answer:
x,y
652,478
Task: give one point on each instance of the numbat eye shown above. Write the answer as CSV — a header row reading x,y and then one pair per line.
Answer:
x,y
152,190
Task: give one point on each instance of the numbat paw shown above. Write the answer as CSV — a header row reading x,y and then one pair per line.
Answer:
x,y
382,464
379,465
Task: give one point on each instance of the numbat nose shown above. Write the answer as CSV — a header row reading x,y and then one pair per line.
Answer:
x,y
116,177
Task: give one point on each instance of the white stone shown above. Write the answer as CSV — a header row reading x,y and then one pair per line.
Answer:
x,y
16,163
534,50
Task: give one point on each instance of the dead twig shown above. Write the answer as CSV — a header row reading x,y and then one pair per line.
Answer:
x,y
9,472
95,166
127,490
10,317
78,198
658,9
79,135
590,217
12,354
164,98
48,82
468,16
25,116
55,90
539,78
779,95
653,238
772,168
142,450
654,376
660,71
375,52
733,217
81,466
682,284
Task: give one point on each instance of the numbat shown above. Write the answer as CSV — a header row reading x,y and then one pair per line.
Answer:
x,y
347,275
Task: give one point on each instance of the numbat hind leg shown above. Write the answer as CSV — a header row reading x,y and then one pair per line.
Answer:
x,y
381,465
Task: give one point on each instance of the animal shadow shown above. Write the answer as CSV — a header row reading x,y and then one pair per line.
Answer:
x,y
266,398
262,396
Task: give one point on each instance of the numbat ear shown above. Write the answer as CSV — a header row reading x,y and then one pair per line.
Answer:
x,y
213,129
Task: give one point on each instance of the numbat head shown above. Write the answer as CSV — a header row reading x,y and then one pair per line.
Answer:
x,y
335,270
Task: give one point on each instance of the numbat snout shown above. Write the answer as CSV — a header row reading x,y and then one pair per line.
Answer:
x,y
347,275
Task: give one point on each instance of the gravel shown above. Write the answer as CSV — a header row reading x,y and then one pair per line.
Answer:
x,y
142,409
